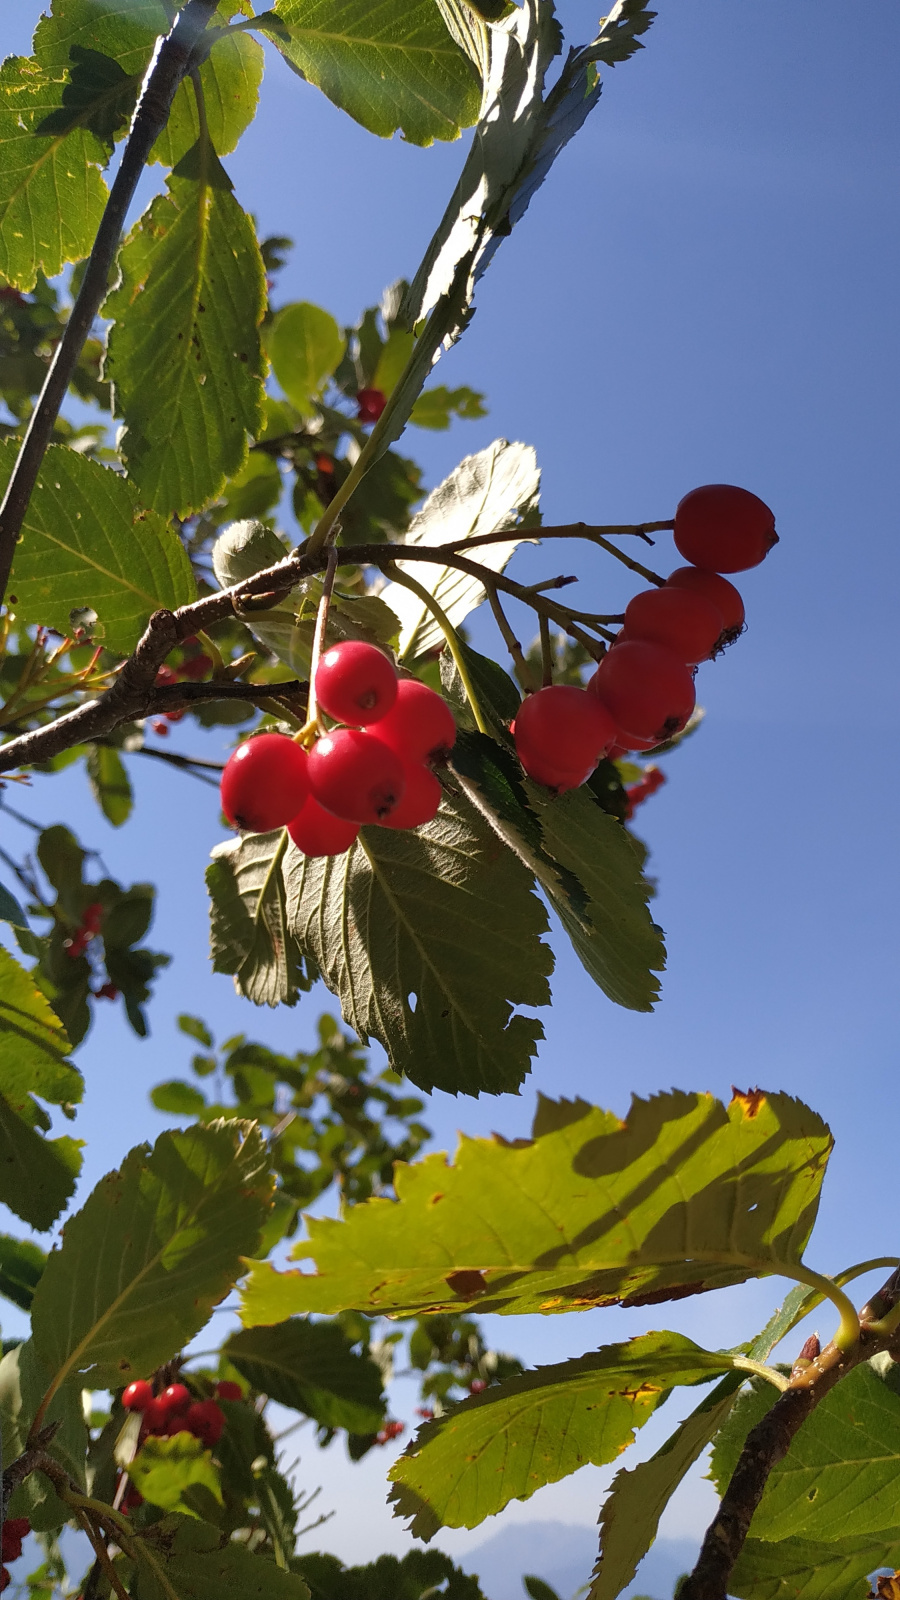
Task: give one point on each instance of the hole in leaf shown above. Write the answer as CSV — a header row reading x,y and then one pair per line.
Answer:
x,y
412,1000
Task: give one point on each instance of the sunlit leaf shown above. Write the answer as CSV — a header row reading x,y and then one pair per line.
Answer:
x,y
304,345
250,934
165,1470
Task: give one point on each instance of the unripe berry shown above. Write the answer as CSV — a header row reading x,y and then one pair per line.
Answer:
x,y
421,798
355,776
648,692
685,623
265,783
206,1421
137,1396
318,832
355,683
419,726
717,589
564,730
724,529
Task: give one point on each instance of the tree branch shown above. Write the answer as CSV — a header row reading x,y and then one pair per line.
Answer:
x,y
171,61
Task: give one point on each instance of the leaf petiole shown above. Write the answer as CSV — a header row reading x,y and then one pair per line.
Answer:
x,y
450,634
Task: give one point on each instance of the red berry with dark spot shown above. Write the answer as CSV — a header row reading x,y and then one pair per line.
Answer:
x,y
419,726
563,730
226,1390
646,689
206,1421
318,832
355,683
137,1396
724,529
370,404
717,589
355,776
265,783
421,798
686,623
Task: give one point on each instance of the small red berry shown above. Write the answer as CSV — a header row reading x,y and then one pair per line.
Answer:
x,y
176,1398
173,716
318,832
686,623
131,1499
562,729
195,667
325,465
355,683
156,1417
178,1424
18,1527
717,589
265,783
166,676
370,404
477,1385
555,777
206,1421
646,689
421,798
107,991
419,726
92,916
355,776
637,793
160,726
226,1390
137,1396
5,1579
724,529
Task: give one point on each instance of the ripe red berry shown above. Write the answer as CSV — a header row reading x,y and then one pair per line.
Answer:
x,y
419,726
724,529
137,1396
355,683
229,1391
370,404
176,1398
686,623
92,916
717,589
131,1499
558,731
5,1579
178,1424
265,783
355,776
206,1421
318,832
18,1527
646,689
421,798
155,1419
195,667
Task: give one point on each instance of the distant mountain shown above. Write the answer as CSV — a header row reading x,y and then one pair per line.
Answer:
x,y
563,1554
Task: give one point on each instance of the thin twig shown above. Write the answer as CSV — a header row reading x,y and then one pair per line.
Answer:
x,y
546,653
312,710
102,1554
454,643
523,670
170,63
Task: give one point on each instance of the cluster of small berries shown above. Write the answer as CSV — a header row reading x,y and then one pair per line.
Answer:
x,y
14,1532
176,1411
88,928
192,668
370,403
391,1430
376,768
643,690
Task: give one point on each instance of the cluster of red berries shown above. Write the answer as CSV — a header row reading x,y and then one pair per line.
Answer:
x,y
176,1411
88,928
643,690
391,1430
376,768
370,403
14,1532
192,668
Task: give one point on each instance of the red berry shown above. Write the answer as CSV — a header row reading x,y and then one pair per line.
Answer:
x,y
17,1526
724,529
563,729
646,689
137,1396
477,1385
325,465
355,683
5,1579
155,1418
318,832
712,587
166,676
107,991
419,726
195,667
685,623
355,776
229,1391
421,798
555,777
178,1424
131,1499
370,404
92,916
621,748
206,1421
176,1398
265,783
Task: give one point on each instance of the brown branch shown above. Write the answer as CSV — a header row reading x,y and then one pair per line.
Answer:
x,y
172,61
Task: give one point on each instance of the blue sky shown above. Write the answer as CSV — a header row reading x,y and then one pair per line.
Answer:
x,y
704,290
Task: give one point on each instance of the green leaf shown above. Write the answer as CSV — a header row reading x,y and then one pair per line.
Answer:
x,y
430,938
487,493
392,65
195,1028
165,1470
184,352
419,1575
88,543
839,1479
435,407
311,1367
304,345
21,1265
712,1195
125,35
10,910
109,782
510,1441
537,1589
229,78
178,1098
250,934
155,1247
803,1569
37,1175
22,1387
200,1563
51,192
